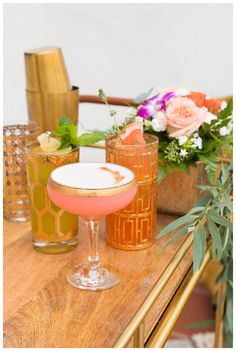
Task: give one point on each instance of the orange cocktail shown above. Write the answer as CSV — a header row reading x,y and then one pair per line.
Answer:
x,y
134,227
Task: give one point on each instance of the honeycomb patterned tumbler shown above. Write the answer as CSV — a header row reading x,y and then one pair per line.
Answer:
x,y
134,227
53,230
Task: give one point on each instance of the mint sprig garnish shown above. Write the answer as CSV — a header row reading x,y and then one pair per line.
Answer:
x,y
67,132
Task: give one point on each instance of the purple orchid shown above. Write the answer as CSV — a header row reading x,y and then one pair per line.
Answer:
x,y
154,104
167,97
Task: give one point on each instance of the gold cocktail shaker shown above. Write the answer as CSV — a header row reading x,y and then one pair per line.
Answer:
x,y
48,90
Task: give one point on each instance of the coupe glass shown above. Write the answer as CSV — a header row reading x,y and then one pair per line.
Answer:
x,y
92,190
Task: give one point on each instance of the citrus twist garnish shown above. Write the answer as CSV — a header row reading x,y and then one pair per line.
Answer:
x,y
47,143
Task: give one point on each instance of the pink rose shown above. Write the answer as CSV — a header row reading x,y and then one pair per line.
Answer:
x,y
184,117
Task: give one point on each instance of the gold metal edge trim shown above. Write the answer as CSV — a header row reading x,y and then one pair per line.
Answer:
x,y
153,295
90,192
139,336
166,325
219,321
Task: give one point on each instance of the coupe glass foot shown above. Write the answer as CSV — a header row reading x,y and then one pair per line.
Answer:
x,y
89,277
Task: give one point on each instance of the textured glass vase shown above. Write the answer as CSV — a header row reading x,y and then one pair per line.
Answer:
x,y
16,136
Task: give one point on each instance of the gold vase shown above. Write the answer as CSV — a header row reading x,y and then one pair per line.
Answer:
x,y
46,70
47,108
49,92
134,227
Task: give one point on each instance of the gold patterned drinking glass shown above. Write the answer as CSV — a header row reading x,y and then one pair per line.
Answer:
x,y
53,230
134,227
16,136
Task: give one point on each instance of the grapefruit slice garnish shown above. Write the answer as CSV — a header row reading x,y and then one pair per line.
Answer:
x,y
132,134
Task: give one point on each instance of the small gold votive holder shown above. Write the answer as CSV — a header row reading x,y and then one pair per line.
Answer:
x,y
46,70
135,227
16,137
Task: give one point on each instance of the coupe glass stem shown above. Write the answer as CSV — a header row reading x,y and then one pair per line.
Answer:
x,y
93,242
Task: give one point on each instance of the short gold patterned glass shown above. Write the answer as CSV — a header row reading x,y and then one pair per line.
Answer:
x,y
134,227
53,230
16,136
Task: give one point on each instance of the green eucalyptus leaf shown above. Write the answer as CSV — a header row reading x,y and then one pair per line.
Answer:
x,y
200,245
178,234
229,204
226,240
177,223
210,189
197,252
216,240
203,201
214,216
142,97
229,313
203,235
196,209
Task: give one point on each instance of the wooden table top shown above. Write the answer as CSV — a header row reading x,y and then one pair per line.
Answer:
x,y
42,310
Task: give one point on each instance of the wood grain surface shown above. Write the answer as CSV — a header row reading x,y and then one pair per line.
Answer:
x,y
42,310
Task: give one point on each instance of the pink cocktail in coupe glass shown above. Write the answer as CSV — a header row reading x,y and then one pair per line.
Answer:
x,y
92,190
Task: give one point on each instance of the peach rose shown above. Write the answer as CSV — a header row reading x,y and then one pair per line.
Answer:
x,y
184,117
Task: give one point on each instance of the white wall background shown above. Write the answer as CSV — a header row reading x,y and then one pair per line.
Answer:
x,y
123,48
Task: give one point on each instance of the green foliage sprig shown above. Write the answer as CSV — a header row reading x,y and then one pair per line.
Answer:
x,y
113,114
212,215
67,132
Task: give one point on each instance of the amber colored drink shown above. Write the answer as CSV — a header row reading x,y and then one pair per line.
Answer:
x,y
53,230
134,227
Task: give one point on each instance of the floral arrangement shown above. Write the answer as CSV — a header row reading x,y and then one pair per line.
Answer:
x,y
190,126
